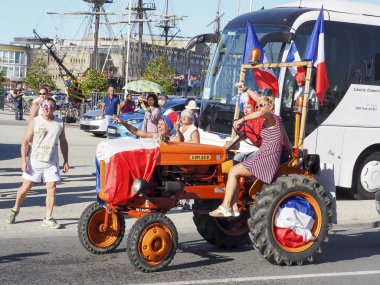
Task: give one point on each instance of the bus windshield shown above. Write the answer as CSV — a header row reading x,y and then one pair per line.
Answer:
x,y
224,71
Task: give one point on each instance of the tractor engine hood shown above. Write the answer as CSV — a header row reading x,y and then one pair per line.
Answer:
x,y
178,153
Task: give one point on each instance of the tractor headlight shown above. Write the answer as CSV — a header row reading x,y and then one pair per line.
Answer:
x,y
139,185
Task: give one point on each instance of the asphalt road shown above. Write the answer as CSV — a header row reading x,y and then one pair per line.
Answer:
x,y
31,254
350,257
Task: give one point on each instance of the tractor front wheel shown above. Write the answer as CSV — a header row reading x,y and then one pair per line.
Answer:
x,y
224,233
93,236
152,242
289,220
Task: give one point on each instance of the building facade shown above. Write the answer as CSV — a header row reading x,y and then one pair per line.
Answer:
x,y
111,59
13,62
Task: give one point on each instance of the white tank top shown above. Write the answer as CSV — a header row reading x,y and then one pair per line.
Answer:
x,y
37,100
45,139
188,132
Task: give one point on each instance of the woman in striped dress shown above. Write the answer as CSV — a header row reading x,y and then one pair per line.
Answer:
x,y
266,161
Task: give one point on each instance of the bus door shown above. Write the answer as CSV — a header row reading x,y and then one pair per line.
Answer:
x,y
327,141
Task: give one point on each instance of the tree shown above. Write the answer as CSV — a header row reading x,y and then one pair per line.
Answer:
x,y
94,81
2,78
38,75
159,71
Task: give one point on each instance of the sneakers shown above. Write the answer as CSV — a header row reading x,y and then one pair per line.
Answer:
x,y
50,223
11,218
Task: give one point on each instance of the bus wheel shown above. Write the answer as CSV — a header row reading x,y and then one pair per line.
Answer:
x,y
288,197
367,178
91,235
152,242
223,233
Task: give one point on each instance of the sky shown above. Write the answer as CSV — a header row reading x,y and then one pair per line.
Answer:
x,y
20,17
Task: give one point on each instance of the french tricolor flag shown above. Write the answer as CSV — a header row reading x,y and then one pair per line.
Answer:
x,y
315,51
293,222
265,77
298,72
126,160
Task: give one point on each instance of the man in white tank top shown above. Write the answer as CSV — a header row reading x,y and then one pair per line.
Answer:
x,y
44,132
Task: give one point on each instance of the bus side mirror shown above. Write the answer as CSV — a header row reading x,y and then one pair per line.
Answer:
x,y
377,66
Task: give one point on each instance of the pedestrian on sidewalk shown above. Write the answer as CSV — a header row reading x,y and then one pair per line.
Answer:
x,y
43,132
36,109
111,104
17,101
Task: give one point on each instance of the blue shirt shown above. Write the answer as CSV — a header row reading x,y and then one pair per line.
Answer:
x,y
111,105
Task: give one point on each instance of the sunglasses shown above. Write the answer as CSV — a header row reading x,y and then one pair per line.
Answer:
x,y
261,105
47,106
42,93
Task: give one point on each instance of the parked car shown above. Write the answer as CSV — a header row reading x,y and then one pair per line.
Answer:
x,y
136,119
119,131
93,122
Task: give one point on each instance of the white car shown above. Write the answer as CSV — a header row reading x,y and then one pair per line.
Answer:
x,y
93,122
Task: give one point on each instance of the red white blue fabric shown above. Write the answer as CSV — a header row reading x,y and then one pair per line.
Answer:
x,y
126,161
315,51
265,77
293,222
171,117
298,72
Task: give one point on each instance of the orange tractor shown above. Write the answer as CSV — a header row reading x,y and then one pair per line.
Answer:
x,y
199,172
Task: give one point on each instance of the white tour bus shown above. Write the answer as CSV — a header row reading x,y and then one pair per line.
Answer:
x,y
345,130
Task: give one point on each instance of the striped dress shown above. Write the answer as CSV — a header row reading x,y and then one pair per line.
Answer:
x,y
267,159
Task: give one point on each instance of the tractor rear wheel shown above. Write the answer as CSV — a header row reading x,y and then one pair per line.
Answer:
x,y
152,242
224,233
269,241
90,232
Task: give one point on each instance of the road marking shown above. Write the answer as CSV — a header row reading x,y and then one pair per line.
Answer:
x,y
268,278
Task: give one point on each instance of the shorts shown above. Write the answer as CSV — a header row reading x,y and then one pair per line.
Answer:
x,y
39,170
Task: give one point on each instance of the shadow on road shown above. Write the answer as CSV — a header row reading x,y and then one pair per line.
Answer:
x,y
65,196
350,246
202,249
9,151
20,256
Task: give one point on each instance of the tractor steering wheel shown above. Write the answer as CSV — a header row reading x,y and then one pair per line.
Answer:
x,y
240,130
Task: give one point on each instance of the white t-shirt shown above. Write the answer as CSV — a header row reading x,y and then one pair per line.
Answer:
x,y
187,134
37,100
45,139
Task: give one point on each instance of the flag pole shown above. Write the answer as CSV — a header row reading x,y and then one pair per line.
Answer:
x,y
305,105
237,110
128,47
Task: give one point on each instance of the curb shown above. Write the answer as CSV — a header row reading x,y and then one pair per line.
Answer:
x,y
357,225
